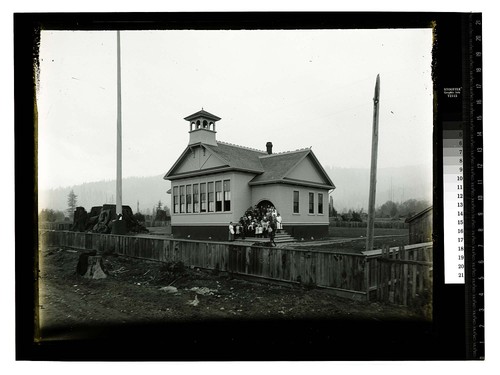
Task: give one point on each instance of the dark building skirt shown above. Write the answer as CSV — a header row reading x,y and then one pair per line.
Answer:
x,y
220,233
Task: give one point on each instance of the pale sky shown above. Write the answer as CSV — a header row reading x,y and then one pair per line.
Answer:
x,y
294,88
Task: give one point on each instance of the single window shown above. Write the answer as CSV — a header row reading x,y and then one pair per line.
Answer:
x,y
183,198
211,202
320,203
227,195
196,199
295,202
176,199
203,197
189,197
311,203
218,196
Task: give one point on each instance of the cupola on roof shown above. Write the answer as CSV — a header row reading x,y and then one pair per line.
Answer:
x,y
203,114
202,127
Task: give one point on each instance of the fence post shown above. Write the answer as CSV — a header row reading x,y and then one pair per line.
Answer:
x,y
415,269
386,273
367,277
405,276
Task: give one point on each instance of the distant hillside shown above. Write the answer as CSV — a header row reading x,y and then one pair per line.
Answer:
x,y
352,184
396,184
145,190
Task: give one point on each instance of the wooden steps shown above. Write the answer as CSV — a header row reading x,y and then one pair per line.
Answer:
x,y
282,237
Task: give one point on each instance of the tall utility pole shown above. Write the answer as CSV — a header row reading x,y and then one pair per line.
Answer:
x,y
118,130
373,170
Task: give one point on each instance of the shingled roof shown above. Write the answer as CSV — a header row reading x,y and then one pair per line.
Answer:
x,y
239,157
276,166
269,168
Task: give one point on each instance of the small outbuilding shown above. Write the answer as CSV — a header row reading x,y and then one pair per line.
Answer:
x,y
420,226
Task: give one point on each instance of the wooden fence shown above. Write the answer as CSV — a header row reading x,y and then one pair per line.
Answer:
x,y
348,275
57,225
401,275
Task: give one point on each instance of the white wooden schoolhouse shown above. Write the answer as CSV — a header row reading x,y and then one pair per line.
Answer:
x,y
214,183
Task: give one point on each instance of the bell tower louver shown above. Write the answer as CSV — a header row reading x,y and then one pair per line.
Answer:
x,y
202,128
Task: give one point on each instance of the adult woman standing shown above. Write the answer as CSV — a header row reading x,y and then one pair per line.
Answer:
x,y
279,225
231,231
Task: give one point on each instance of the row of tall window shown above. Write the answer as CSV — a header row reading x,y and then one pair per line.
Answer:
x,y
296,205
213,196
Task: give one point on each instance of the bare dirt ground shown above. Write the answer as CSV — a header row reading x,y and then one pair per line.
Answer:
x,y
146,291
145,310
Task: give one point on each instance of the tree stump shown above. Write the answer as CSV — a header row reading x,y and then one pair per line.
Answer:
x,y
80,220
95,268
91,266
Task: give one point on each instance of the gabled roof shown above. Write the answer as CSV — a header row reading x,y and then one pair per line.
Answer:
x,y
232,157
239,157
278,166
268,168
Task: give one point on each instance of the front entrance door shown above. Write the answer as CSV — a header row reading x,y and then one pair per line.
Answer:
x,y
264,206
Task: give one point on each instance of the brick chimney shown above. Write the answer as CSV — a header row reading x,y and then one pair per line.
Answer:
x,y
269,147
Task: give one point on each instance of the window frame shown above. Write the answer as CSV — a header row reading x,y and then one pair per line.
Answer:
x,y
196,198
320,204
311,203
203,198
296,202
226,195
182,195
175,194
218,196
189,198
211,196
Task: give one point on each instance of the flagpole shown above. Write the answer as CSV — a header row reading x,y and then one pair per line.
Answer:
x,y
119,131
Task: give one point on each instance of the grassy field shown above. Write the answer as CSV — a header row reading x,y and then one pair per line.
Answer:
x,y
355,239
357,245
358,232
